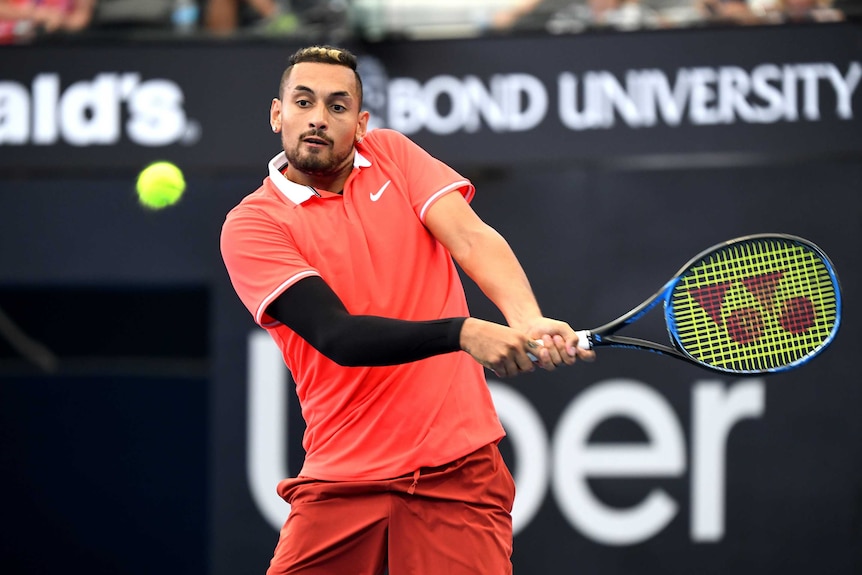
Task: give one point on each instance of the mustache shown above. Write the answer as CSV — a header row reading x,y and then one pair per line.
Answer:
x,y
316,134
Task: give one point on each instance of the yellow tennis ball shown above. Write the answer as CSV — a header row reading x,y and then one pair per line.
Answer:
x,y
160,184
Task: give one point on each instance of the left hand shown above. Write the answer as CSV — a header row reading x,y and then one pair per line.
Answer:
x,y
559,344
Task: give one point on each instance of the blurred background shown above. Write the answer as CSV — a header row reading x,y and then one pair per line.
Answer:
x,y
145,421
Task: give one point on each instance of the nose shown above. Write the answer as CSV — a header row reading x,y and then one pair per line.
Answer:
x,y
318,119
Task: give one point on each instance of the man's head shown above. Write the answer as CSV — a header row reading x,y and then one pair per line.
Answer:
x,y
319,114
322,55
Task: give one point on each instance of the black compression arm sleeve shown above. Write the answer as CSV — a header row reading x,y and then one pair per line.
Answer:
x,y
315,313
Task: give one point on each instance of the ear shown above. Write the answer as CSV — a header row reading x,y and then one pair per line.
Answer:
x,y
275,115
361,126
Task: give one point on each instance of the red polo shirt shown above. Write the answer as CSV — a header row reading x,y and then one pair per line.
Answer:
x,y
371,247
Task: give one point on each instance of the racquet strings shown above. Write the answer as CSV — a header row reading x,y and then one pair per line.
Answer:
x,y
756,305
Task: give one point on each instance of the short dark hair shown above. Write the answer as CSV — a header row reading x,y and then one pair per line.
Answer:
x,y
324,55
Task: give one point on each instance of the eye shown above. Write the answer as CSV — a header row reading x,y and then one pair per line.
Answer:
x,y
303,103
339,108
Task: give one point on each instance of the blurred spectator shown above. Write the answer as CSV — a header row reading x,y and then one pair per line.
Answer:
x,y
797,11
24,20
225,17
522,16
678,13
599,14
569,17
730,12
122,16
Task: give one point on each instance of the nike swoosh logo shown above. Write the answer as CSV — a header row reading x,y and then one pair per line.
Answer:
x,y
375,197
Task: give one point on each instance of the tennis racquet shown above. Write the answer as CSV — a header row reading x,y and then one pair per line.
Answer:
x,y
753,305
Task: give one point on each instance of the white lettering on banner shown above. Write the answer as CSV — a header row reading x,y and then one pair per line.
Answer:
x,y
716,410
530,447
576,460
514,103
714,414
566,463
726,95
267,439
701,96
89,113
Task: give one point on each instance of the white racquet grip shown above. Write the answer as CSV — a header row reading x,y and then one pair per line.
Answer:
x,y
584,339
539,343
583,343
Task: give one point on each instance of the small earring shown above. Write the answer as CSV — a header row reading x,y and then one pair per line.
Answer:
x,y
359,139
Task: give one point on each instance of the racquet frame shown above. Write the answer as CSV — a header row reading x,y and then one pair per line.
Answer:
x,y
604,336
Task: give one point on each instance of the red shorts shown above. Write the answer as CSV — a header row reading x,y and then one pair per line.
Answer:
x,y
449,520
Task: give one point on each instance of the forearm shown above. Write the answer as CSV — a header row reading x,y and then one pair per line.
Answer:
x,y
490,262
315,313
354,340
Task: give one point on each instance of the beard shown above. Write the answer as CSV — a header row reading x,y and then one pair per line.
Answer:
x,y
317,162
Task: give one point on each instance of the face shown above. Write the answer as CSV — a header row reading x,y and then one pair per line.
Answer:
x,y
319,120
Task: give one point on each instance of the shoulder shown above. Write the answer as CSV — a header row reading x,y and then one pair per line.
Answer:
x,y
393,144
386,138
385,135
259,206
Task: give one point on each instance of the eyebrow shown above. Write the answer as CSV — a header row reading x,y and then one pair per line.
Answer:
x,y
339,94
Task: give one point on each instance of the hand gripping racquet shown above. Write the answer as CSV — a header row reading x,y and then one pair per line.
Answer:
x,y
753,305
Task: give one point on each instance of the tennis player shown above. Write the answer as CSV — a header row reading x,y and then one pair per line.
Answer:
x,y
345,256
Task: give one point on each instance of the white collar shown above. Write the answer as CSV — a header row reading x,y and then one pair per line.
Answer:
x,y
298,193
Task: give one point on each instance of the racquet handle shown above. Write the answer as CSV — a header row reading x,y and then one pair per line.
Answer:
x,y
585,341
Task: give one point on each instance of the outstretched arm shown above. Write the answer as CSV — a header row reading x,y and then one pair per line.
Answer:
x,y
487,258
315,313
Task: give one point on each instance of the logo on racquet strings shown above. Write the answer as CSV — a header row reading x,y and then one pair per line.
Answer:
x,y
746,325
755,302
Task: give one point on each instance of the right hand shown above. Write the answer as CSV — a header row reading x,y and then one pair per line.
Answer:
x,y
557,343
499,348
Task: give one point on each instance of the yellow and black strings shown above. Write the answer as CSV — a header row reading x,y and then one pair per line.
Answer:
x,y
756,305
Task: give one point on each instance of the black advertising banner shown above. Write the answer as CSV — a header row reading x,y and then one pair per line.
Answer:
x,y
776,90
114,107
606,97
606,161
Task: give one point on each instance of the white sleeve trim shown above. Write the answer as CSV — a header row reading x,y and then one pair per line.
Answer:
x,y
261,309
468,195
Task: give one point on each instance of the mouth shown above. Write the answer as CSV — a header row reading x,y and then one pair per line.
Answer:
x,y
315,141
